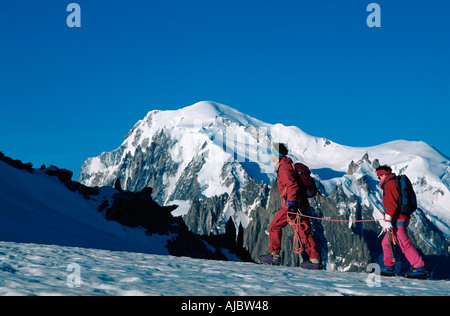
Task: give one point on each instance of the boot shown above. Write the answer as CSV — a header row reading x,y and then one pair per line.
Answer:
x,y
312,264
387,271
417,273
270,258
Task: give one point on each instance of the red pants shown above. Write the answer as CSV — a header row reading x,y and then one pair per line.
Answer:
x,y
275,233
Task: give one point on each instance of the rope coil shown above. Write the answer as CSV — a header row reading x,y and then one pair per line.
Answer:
x,y
297,224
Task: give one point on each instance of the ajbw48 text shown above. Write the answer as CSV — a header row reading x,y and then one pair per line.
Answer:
x,y
230,306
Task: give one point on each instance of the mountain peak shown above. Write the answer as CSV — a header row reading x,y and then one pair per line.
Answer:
x,y
210,107
210,110
200,114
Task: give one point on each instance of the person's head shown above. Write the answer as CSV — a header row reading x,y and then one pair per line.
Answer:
x,y
383,171
279,150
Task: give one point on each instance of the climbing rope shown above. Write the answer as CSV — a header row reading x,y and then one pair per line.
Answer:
x,y
297,224
338,220
294,219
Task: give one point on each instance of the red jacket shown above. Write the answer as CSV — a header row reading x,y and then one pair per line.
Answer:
x,y
288,184
391,198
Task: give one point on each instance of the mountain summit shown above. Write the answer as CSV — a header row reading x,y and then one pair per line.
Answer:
x,y
208,110
214,162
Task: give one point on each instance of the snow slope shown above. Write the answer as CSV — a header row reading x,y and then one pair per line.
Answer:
x,y
30,269
40,209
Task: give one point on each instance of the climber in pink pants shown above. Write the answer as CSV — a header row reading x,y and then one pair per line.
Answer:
x,y
395,227
400,237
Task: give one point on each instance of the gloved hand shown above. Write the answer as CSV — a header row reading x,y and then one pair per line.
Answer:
x,y
387,223
291,205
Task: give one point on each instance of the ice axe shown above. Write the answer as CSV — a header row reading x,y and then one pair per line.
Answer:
x,y
391,241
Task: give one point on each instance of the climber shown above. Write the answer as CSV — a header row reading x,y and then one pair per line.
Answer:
x,y
395,227
291,200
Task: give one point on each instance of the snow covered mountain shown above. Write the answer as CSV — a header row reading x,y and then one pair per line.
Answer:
x,y
44,206
214,162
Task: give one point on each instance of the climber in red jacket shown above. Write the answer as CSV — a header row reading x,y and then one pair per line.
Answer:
x,y
291,198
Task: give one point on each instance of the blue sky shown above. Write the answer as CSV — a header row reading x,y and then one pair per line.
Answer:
x,y
67,94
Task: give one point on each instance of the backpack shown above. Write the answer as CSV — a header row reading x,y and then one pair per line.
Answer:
x,y
408,200
305,180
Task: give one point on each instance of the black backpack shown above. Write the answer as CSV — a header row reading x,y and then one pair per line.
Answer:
x,y
408,200
305,180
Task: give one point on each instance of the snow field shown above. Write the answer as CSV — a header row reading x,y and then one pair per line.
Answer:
x,y
42,270
40,209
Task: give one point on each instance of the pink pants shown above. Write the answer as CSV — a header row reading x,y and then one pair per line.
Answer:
x,y
401,239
